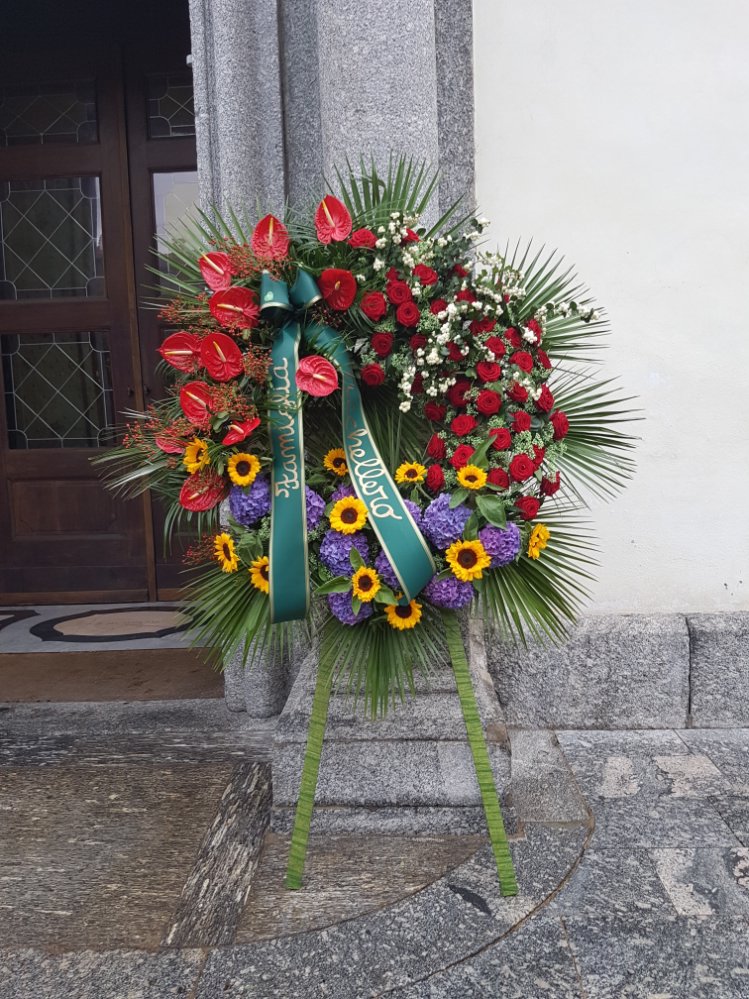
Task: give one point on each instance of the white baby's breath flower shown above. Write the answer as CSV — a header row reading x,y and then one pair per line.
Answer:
x,y
378,264
381,243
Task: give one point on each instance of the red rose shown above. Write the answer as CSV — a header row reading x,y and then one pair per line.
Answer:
x,y
435,478
425,274
411,237
453,352
498,477
373,305
539,453
382,344
463,424
417,341
502,438
521,467
523,360
488,371
543,359
466,295
408,314
535,327
433,411
417,385
398,292
517,393
436,447
561,425
363,238
456,394
372,374
550,486
521,421
461,272
513,338
437,305
545,401
484,325
338,288
488,402
461,456
528,506
495,345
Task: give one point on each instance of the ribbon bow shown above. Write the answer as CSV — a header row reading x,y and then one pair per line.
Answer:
x,y
388,515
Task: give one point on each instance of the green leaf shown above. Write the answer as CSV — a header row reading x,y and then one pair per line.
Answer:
x,y
492,508
457,497
386,596
470,531
355,558
338,585
355,605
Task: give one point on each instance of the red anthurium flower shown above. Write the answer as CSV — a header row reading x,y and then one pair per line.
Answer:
x,y
170,445
195,398
221,357
202,491
239,431
316,375
270,239
338,288
332,220
217,270
235,308
182,351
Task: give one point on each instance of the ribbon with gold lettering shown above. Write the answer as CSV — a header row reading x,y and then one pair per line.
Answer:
x,y
388,515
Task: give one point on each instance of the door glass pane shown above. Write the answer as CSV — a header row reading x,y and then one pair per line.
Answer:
x,y
170,109
43,113
174,196
50,231
58,390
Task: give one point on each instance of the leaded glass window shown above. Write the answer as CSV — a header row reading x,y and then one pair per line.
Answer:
x,y
58,390
174,197
171,109
43,113
51,239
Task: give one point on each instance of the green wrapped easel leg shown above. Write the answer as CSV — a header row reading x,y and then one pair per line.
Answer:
x,y
311,765
497,835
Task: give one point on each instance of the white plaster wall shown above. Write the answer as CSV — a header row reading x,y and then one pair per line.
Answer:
x,y
618,131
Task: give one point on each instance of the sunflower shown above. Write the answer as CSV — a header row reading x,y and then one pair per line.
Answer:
x,y
467,559
260,574
366,584
538,540
225,552
243,468
348,515
335,461
411,472
196,456
403,618
471,477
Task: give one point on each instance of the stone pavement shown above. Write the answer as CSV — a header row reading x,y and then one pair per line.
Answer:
x,y
135,863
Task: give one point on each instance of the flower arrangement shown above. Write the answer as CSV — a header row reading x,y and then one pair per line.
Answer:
x,y
393,416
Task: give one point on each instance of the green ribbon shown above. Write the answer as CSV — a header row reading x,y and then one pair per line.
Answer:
x,y
388,515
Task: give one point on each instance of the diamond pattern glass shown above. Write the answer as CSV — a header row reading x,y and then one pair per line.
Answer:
x,y
51,239
170,107
41,114
58,390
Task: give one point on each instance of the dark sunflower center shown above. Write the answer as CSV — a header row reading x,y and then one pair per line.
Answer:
x,y
365,583
227,552
411,473
471,477
338,462
264,572
404,612
349,515
467,558
242,468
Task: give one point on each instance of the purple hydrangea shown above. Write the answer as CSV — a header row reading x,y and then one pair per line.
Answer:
x,y
415,512
449,593
502,543
335,549
249,504
441,524
340,605
342,492
385,571
315,508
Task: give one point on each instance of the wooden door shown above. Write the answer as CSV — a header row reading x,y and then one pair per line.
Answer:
x,y
68,331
